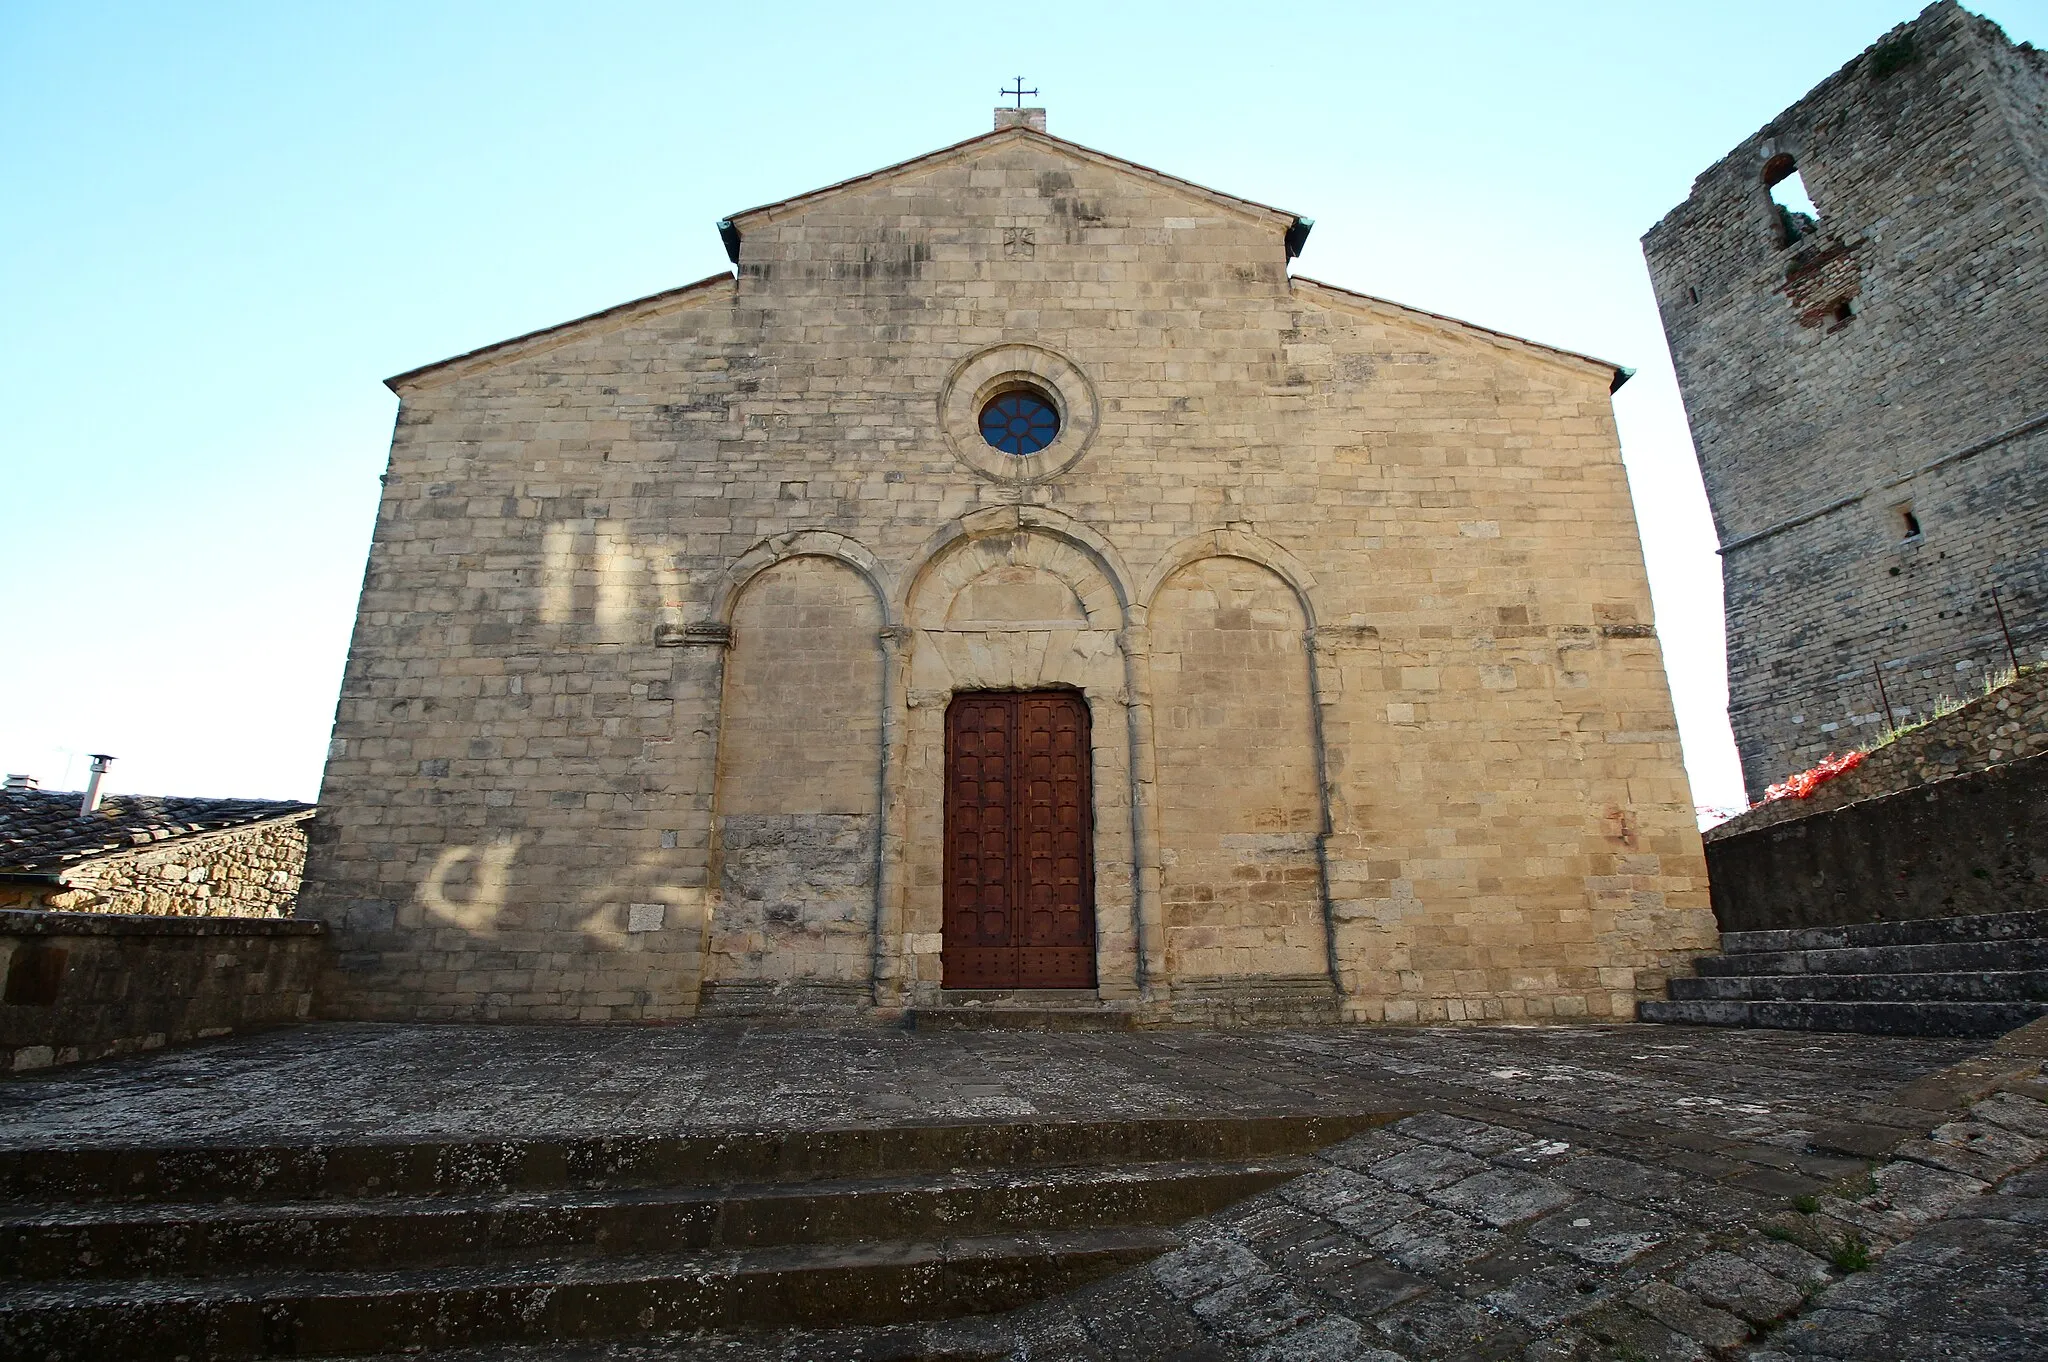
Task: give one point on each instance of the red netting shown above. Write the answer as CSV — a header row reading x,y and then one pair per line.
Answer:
x,y
1806,782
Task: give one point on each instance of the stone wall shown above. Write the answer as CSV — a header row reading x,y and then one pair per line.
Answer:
x,y
2009,723
1242,892
82,986
601,606
798,791
1869,398
249,872
1959,845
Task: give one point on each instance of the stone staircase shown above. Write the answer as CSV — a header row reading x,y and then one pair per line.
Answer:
x,y
1957,976
1288,1001
1022,1009
301,1251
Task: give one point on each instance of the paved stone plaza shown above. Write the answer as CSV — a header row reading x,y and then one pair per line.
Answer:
x,y
1756,1092
1556,1193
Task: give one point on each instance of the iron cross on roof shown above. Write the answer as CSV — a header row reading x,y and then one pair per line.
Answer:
x,y
1019,92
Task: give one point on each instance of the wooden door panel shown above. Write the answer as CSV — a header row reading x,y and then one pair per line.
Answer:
x,y
979,852
1019,882
1057,937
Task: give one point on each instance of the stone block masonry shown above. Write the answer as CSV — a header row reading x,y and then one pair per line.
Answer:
x,y
1966,844
2006,724
1868,391
645,707
81,986
249,872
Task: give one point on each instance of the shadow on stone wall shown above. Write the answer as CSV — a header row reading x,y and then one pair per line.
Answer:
x,y
1971,843
82,986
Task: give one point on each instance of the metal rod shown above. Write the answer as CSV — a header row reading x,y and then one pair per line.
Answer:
x,y
1891,724
2010,655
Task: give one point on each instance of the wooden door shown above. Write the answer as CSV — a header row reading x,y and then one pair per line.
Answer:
x,y
1020,844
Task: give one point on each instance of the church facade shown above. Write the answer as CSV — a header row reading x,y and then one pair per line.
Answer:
x,y
1009,578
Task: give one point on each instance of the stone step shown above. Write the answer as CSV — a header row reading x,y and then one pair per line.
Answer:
x,y
1918,932
1869,1018
1073,998
969,1338
1981,986
1022,1009
308,1314
314,1172
2025,953
213,1238
1018,1018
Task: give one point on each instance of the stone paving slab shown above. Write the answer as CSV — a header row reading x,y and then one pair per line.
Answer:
x,y
1974,1285
1579,1195
1305,1274
1708,1090
1442,1238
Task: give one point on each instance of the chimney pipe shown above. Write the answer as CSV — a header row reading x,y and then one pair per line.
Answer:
x,y
100,762
16,782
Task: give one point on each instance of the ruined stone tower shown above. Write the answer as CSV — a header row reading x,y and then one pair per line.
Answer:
x,y
1865,378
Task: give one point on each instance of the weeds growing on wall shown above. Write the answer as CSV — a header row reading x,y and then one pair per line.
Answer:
x,y
1802,784
1991,683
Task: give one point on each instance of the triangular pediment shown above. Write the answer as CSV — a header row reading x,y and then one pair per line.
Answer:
x,y
1003,141
1293,225
1366,305
716,287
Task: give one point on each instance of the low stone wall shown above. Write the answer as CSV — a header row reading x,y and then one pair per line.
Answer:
x,y
240,872
1972,843
2009,723
80,986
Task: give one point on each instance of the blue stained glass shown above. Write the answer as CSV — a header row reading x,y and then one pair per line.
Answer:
x,y
1019,423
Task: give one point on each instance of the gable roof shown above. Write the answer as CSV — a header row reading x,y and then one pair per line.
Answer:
x,y
41,832
1294,224
559,333
1618,374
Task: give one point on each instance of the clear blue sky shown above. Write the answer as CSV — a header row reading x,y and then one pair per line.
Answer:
x,y
226,224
